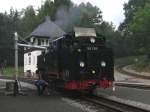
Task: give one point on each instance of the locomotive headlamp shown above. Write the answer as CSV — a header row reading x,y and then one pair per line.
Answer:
x,y
93,72
79,50
103,64
92,40
82,64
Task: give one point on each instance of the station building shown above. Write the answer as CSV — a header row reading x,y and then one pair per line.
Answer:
x,y
41,36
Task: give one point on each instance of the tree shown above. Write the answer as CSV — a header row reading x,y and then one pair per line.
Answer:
x,y
106,29
28,21
89,15
130,8
126,28
7,28
62,12
47,9
84,15
139,28
59,3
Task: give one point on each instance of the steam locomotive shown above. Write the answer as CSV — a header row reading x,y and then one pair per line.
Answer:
x,y
79,61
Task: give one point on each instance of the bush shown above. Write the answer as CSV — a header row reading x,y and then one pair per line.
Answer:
x,y
142,63
10,71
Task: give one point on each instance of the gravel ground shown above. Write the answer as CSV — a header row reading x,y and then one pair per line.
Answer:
x,y
121,77
31,102
35,104
134,94
55,103
139,96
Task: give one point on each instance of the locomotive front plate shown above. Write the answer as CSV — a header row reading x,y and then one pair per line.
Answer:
x,y
92,48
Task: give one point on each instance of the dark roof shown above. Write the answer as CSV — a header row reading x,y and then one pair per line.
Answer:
x,y
48,29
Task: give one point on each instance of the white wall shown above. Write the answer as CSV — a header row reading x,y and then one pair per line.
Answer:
x,y
33,65
42,41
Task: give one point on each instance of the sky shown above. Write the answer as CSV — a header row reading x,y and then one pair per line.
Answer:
x,y
112,10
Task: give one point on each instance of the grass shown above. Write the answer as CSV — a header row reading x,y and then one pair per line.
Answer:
x,y
142,64
10,71
139,63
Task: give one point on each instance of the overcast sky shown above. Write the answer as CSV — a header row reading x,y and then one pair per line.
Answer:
x,y
112,9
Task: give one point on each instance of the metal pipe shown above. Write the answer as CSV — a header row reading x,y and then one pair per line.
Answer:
x,y
16,64
32,46
16,55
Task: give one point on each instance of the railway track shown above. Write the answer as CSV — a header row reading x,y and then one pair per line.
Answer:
x,y
134,75
119,69
133,85
111,105
108,104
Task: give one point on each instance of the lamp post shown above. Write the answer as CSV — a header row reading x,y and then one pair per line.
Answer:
x,y
16,55
16,64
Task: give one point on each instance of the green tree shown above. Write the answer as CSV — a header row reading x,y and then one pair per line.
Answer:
x,y
89,15
59,3
130,40
7,28
139,28
28,21
130,8
106,29
47,9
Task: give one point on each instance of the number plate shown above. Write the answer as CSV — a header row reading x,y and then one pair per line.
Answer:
x,y
92,48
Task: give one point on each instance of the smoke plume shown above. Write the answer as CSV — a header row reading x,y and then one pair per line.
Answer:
x,y
67,18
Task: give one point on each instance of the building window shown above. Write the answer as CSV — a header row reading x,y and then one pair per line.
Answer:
x,y
39,41
42,42
33,60
36,41
47,42
29,60
29,54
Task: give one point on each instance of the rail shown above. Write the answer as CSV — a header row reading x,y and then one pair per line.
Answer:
x,y
112,105
119,69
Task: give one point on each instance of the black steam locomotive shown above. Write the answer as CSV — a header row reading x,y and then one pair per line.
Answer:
x,y
79,61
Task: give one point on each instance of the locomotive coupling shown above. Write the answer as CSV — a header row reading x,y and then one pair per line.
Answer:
x,y
92,85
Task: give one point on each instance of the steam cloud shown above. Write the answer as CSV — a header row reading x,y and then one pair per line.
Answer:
x,y
67,18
